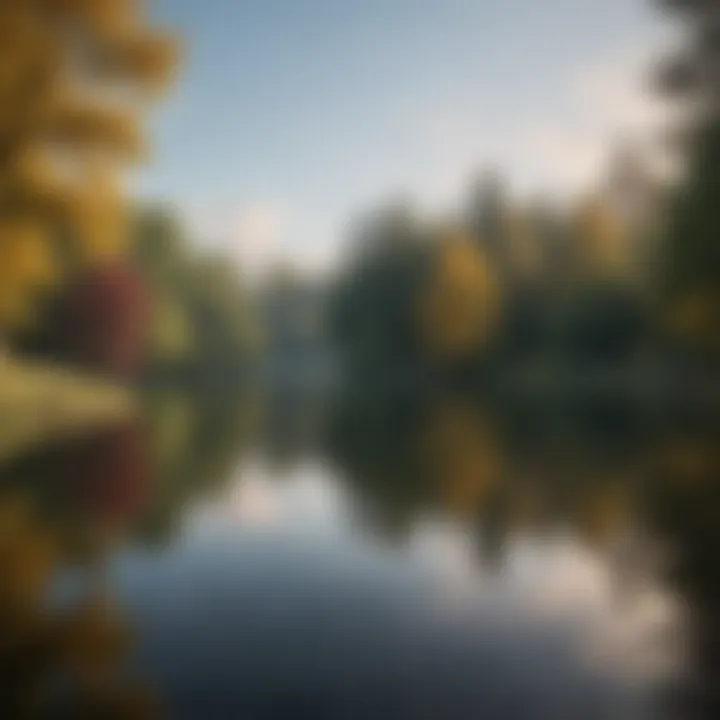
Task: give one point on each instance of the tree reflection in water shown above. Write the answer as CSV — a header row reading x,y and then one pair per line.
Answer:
x,y
638,492
65,511
640,487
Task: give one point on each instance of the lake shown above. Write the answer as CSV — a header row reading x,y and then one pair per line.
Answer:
x,y
374,559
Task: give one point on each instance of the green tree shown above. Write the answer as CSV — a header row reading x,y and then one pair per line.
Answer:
x,y
690,252
374,304
201,312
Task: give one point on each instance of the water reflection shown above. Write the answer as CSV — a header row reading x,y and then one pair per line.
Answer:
x,y
58,658
417,556
618,481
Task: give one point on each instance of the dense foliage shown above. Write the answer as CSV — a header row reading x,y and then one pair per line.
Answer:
x,y
506,287
201,319
75,76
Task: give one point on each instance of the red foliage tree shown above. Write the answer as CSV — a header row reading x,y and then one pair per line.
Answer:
x,y
104,318
110,473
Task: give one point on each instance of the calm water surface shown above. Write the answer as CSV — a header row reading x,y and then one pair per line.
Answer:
x,y
277,600
394,562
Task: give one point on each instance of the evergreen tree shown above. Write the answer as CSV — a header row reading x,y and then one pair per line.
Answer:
x,y
690,267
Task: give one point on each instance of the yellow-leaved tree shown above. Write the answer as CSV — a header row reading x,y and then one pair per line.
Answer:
x,y
460,303
83,645
75,75
603,244
463,455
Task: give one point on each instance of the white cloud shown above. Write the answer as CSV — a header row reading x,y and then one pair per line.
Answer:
x,y
250,233
569,158
256,232
619,92
607,103
562,149
259,234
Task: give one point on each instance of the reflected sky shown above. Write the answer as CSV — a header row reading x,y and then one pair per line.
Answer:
x,y
278,601
429,564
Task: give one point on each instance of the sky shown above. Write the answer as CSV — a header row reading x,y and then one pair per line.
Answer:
x,y
291,117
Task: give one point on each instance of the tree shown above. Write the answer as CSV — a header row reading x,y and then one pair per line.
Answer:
x,y
605,324
458,306
690,269
199,313
102,320
74,74
110,472
486,212
690,251
43,646
602,244
160,250
374,304
462,455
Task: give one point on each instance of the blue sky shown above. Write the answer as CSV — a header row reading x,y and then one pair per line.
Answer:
x,y
290,116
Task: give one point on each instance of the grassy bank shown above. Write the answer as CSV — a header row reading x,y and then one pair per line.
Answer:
x,y
41,403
